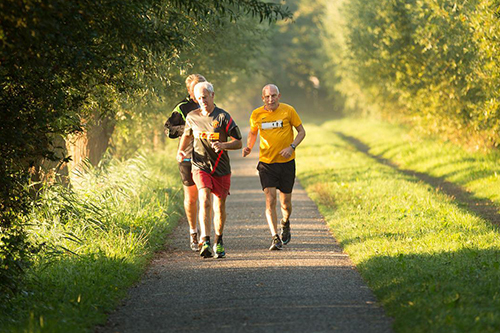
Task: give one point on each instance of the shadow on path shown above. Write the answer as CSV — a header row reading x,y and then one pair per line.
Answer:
x,y
310,286
484,208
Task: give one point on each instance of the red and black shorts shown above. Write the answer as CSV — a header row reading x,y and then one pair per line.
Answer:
x,y
185,171
279,175
218,184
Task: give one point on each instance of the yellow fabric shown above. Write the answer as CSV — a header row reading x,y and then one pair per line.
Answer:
x,y
276,133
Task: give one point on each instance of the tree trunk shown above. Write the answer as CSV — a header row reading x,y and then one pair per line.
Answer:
x,y
92,143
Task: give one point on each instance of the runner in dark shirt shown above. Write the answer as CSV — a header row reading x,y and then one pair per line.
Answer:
x,y
218,126
211,128
174,128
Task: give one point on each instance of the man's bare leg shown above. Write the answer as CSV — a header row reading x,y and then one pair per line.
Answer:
x,y
219,214
205,198
271,216
219,222
190,205
286,211
286,205
191,209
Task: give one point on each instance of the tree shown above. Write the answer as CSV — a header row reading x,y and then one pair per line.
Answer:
x,y
296,59
430,63
64,63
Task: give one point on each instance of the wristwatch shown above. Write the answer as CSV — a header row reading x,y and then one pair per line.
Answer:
x,y
293,146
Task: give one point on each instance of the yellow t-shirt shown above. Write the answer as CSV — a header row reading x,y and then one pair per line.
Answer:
x,y
276,131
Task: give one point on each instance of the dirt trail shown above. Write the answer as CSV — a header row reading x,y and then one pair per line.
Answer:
x,y
310,286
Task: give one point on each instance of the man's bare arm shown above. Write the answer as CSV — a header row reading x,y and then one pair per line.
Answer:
x,y
185,141
230,145
252,137
301,134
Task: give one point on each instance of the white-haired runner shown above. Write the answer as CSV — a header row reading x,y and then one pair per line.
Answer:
x,y
213,132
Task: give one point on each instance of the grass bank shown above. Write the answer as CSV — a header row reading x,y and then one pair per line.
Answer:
x,y
99,236
416,216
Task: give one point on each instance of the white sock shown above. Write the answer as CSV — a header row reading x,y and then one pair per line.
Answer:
x,y
193,231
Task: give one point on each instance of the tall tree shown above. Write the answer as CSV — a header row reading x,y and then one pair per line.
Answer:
x,y
64,63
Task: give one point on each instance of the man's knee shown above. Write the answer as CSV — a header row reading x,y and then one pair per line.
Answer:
x,y
286,205
286,201
271,201
190,200
204,196
219,203
190,195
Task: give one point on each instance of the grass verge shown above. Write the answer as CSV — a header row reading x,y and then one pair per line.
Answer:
x,y
99,236
431,258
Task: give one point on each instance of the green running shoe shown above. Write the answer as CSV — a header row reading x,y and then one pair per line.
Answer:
x,y
219,251
206,250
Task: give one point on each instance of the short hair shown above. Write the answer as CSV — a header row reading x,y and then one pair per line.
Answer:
x,y
205,85
194,77
270,85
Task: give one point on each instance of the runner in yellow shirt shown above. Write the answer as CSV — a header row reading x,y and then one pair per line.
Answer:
x,y
275,122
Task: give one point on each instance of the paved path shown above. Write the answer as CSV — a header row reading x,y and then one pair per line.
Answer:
x,y
310,286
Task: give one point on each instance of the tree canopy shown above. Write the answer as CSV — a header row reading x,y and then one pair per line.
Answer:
x,y
433,64
62,62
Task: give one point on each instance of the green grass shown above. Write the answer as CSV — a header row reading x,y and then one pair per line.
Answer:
x,y
433,261
99,236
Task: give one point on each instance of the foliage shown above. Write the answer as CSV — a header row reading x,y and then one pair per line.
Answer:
x,y
228,54
428,250
295,60
432,63
98,237
63,61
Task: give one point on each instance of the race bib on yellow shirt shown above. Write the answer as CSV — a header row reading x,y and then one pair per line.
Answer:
x,y
272,124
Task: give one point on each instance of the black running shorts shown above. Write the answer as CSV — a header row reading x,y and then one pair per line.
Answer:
x,y
185,171
279,175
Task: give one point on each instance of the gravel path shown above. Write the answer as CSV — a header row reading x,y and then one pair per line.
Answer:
x,y
310,286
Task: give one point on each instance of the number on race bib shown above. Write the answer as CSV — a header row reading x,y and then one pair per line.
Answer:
x,y
272,124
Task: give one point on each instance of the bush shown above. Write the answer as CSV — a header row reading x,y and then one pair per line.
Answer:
x,y
432,63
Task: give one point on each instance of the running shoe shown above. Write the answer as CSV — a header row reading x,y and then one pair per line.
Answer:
x,y
195,246
276,244
285,232
219,251
206,250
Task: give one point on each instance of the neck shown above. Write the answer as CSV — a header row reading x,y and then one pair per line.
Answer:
x,y
208,111
269,108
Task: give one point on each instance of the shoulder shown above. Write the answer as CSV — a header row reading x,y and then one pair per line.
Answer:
x,y
188,105
193,113
287,107
257,111
183,102
289,110
218,112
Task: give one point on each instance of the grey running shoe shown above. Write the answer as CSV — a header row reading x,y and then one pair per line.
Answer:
x,y
219,251
206,250
195,246
276,244
285,232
